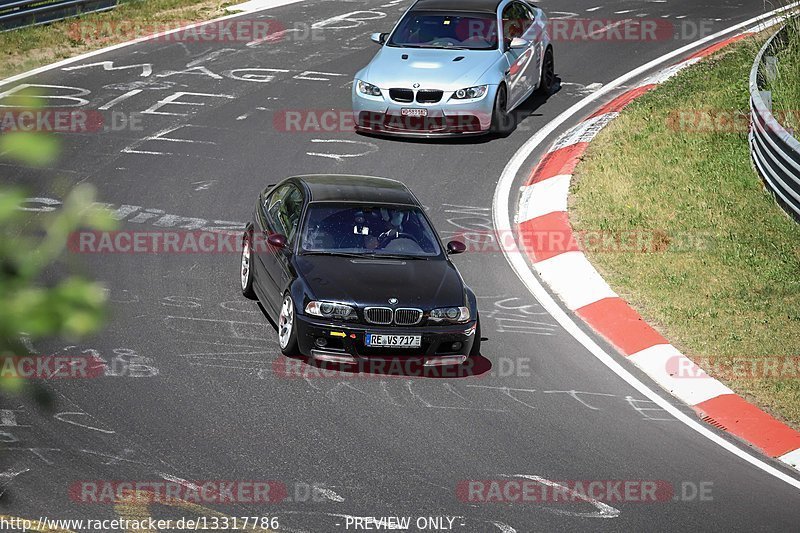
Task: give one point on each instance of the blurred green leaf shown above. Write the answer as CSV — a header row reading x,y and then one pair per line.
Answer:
x,y
36,149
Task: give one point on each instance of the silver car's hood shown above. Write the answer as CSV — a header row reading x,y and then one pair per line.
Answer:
x,y
431,68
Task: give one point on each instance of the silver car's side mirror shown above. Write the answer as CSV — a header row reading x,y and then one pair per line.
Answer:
x,y
519,42
378,38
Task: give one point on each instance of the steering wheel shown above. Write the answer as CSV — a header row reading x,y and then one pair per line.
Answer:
x,y
388,236
446,40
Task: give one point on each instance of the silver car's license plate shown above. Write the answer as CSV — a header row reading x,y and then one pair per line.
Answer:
x,y
394,341
413,112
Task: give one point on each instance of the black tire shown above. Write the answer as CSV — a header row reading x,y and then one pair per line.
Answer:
x,y
290,349
548,81
501,120
246,280
476,346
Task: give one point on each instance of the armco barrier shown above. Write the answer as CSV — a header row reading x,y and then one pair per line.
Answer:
x,y
18,13
775,151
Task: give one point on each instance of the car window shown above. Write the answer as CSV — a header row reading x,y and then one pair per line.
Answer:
x,y
529,17
516,20
434,29
283,209
368,229
290,211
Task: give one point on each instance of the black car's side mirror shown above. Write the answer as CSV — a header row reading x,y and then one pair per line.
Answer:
x,y
456,247
276,240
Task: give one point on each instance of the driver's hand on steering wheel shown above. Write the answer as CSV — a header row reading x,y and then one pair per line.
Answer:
x,y
389,235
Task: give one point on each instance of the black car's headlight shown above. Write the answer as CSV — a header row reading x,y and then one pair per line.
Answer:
x,y
368,88
450,314
470,92
330,310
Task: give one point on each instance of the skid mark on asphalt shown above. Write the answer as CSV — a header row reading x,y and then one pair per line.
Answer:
x,y
213,327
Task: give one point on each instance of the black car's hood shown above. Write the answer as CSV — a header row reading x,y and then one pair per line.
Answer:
x,y
414,282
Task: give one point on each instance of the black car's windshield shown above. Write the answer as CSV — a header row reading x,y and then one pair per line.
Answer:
x,y
470,31
367,230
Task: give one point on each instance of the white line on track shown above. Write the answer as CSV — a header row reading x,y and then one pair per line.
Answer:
x,y
603,510
263,6
516,259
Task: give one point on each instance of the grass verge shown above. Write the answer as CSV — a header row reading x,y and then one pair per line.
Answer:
x,y
724,282
786,85
31,47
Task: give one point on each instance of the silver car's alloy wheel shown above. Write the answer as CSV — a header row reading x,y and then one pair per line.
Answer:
x,y
286,322
245,272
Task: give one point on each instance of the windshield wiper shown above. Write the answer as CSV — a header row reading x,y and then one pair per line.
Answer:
x,y
364,255
395,256
435,47
332,253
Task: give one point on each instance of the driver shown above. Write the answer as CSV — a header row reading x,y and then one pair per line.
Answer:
x,y
393,220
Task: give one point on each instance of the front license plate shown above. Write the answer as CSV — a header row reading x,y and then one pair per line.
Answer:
x,y
413,112
394,341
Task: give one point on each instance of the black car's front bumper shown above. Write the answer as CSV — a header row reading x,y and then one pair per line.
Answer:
x,y
345,343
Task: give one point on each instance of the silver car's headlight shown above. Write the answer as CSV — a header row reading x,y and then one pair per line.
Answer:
x,y
330,310
470,92
450,314
368,88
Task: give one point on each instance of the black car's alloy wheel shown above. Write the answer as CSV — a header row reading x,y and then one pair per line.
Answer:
x,y
246,269
287,330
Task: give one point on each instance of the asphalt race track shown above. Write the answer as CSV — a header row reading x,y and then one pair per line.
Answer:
x,y
199,396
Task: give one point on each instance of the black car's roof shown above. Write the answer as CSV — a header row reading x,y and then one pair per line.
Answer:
x,y
333,187
475,6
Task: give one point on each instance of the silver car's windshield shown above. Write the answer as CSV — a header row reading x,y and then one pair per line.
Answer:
x,y
461,31
362,229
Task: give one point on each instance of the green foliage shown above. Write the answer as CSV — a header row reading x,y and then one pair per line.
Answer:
x,y
39,297
786,85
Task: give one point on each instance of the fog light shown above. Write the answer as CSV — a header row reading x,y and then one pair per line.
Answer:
x,y
456,346
445,360
320,341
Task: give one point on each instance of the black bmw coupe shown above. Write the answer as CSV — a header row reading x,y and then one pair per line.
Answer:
x,y
350,268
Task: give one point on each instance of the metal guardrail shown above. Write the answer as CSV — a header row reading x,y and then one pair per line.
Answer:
x,y
20,13
775,151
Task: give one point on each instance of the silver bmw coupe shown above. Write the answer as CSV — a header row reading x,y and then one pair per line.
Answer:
x,y
454,67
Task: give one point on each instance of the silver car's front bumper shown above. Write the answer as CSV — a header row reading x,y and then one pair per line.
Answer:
x,y
447,117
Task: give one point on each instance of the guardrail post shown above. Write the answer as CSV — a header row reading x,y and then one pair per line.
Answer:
x,y
766,96
771,68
